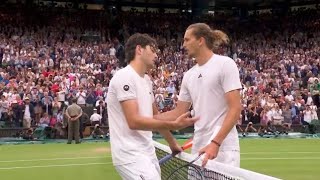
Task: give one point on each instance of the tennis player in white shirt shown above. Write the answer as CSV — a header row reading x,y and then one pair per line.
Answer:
x,y
212,86
130,104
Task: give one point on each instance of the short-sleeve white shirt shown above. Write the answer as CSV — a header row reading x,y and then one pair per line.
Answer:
x,y
205,86
126,144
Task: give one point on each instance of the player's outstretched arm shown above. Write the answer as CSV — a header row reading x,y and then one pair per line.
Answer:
x,y
182,107
137,122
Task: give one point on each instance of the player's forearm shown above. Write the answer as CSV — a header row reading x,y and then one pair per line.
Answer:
x,y
168,116
168,137
229,122
149,124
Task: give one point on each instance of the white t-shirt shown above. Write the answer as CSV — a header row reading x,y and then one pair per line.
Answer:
x,y
289,97
309,100
81,98
212,80
61,96
27,114
112,51
307,116
95,117
126,144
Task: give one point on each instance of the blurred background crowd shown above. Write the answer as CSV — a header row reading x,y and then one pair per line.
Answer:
x,y
47,58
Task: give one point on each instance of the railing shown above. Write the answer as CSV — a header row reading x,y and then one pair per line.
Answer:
x,y
11,132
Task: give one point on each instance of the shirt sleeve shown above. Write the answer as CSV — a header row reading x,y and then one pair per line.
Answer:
x,y
125,88
230,76
184,94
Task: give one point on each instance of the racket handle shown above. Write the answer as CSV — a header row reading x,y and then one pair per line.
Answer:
x,y
187,145
165,159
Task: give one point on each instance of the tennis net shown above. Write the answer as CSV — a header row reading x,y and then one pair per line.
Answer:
x,y
212,171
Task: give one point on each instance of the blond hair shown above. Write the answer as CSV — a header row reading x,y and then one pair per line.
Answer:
x,y
214,38
221,39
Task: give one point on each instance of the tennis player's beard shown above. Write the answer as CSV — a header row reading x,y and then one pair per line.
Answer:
x,y
150,66
190,56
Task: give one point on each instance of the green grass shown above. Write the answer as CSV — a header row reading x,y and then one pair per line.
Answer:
x,y
284,158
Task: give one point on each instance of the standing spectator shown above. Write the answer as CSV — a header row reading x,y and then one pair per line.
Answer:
x,y
38,112
81,97
73,113
84,119
307,116
16,113
277,117
287,118
171,89
28,113
4,108
47,103
61,94
91,98
314,109
56,105
263,117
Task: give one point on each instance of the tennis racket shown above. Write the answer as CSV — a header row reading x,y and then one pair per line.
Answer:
x,y
186,145
188,171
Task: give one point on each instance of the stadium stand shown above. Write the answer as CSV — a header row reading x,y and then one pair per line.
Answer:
x,y
49,54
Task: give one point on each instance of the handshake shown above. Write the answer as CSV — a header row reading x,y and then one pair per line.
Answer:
x,y
185,120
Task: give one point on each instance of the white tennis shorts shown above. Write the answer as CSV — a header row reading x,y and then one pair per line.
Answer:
x,y
229,157
144,169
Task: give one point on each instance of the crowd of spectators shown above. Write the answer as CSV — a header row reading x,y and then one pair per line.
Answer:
x,y
47,61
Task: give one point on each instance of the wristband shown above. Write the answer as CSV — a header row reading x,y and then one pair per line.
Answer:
x,y
215,142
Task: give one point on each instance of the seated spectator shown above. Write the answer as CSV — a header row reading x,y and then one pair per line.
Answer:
x,y
53,121
45,120
250,128
262,131
95,118
28,134
271,129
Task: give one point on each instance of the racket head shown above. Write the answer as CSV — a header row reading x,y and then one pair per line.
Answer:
x,y
187,172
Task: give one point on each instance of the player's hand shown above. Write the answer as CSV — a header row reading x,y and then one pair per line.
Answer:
x,y
175,148
210,152
184,121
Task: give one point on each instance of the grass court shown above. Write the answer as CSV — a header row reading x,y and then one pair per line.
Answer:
x,y
292,159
